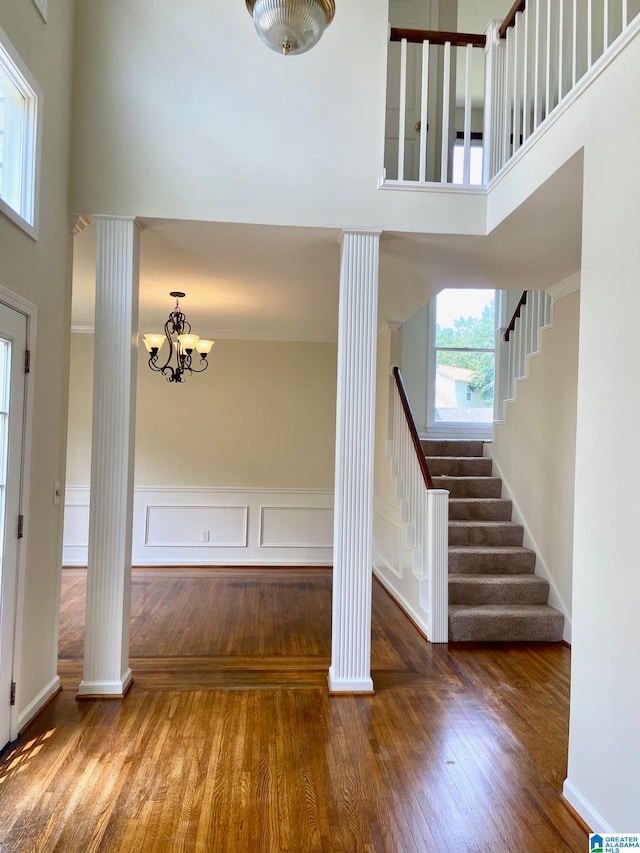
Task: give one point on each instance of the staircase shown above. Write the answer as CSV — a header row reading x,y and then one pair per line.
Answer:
x,y
493,592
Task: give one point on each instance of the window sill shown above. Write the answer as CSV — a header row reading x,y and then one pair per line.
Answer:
x,y
27,227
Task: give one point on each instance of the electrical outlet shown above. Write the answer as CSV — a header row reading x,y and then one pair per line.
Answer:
x,y
205,536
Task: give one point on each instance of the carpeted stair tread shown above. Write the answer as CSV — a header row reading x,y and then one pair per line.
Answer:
x,y
485,533
470,487
503,559
498,589
505,623
480,509
459,466
452,447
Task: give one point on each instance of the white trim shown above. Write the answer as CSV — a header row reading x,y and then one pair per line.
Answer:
x,y
347,685
401,601
38,702
590,815
43,7
432,187
589,77
288,550
564,288
529,541
106,688
27,218
18,303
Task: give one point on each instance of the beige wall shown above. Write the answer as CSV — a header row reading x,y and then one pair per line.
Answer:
x,y
39,272
262,416
534,449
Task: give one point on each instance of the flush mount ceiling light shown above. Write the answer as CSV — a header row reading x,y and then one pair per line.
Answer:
x,y
183,346
291,26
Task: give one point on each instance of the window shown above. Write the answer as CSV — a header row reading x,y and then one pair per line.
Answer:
x,y
462,363
19,98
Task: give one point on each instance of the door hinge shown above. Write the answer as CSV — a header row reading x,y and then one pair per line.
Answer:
x,y
12,695
27,361
20,526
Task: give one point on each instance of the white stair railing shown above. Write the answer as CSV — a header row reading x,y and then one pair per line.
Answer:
x,y
521,338
532,60
425,511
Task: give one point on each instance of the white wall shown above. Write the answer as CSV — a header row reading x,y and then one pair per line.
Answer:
x,y
534,451
243,453
187,115
39,272
415,361
604,737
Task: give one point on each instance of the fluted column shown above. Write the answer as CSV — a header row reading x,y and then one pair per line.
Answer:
x,y
350,670
106,652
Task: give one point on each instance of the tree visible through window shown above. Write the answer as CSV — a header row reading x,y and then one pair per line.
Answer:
x,y
464,356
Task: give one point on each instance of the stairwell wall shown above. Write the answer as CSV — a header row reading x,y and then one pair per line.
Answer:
x,y
533,451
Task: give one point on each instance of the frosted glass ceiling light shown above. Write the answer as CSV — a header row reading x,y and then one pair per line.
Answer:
x,y
178,327
291,26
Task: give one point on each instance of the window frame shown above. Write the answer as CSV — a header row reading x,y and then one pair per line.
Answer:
x,y
15,69
454,429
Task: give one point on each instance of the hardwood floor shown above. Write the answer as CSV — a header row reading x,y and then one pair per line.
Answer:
x,y
228,741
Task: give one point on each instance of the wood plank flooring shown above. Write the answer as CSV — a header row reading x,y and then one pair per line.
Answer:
x,y
228,741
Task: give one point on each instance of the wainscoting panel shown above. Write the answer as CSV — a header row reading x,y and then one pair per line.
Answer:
x,y
196,526
211,527
296,527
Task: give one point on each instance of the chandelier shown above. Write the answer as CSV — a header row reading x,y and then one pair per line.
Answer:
x,y
291,26
182,347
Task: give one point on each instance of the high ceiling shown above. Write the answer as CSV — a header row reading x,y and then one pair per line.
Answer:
x,y
281,283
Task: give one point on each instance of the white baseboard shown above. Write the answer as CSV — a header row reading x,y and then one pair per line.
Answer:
x,y
542,569
583,807
37,704
191,526
416,617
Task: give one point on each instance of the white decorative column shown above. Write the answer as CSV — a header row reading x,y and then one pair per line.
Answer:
x,y
350,670
106,650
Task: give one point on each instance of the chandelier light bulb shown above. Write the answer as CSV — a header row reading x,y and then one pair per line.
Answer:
x,y
182,342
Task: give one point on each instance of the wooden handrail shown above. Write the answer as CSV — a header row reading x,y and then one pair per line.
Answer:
x,y
426,476
509,21
437,37
516,314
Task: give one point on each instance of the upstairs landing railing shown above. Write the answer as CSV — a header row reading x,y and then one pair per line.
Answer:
x,y
425,511
532,60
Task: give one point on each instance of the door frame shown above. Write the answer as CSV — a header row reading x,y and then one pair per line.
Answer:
x,y
29,310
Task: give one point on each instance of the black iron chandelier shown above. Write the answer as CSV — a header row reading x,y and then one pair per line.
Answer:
x,y
177,327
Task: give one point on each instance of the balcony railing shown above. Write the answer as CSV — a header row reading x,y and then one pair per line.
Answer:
x,y
455,99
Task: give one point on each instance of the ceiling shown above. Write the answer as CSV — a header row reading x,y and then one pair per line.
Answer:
x,y
281,283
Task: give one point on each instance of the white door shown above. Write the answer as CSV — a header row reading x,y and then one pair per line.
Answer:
x,y
13,341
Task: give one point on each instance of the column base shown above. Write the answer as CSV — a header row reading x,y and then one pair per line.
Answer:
x,y
105,689
350,686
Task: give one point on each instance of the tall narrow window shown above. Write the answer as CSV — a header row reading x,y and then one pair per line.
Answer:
x,y
19,96
462,362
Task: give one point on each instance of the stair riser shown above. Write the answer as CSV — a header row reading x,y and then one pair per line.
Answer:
x,y
433,447
470,466
493,534
483,509
470,487
510,629
532,591
479,563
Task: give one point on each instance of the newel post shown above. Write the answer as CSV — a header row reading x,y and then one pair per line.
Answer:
x,y
494,105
